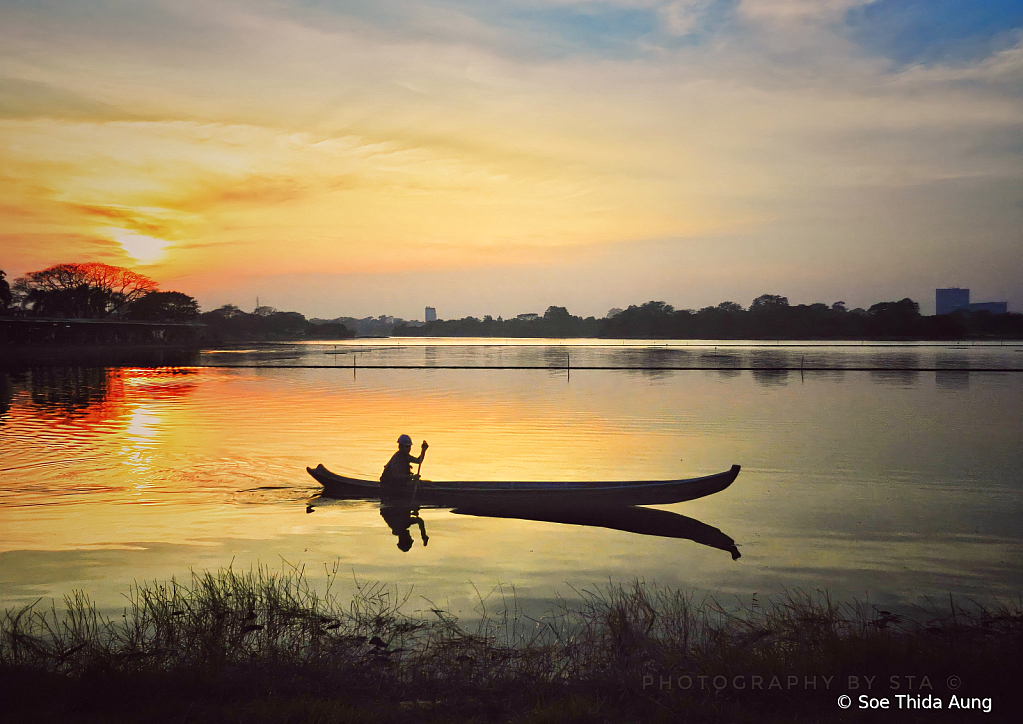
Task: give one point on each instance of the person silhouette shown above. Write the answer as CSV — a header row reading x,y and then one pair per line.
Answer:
x,y
398,471
398,493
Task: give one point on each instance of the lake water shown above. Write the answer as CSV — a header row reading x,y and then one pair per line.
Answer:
x,y
892,484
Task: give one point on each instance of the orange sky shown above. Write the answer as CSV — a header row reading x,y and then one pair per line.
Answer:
x,y
374,158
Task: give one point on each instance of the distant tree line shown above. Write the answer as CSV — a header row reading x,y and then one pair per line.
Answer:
x,y
266,323
379,326
555,322
101,291
770,316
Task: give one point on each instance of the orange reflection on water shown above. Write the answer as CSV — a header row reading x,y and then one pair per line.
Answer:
x,y
184,438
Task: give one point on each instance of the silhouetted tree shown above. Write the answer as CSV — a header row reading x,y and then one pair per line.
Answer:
x,y
898,319
771,316
90,290
329,330
653,319
983,323
285,324
163,307
725,320
230,322
557,322
227,311
768,301
5,293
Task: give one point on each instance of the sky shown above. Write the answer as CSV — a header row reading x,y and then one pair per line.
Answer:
x,y
500,156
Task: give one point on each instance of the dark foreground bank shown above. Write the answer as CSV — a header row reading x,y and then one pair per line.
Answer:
x,y
263,647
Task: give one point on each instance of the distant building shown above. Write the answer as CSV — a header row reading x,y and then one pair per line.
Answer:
x,y
431,314
949,300
993,307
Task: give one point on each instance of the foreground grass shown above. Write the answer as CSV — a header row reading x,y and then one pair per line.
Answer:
x,y
265,647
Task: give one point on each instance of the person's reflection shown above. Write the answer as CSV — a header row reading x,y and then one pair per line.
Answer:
x,y
399,511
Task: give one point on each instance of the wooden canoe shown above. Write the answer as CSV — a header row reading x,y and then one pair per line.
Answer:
x,y
631,492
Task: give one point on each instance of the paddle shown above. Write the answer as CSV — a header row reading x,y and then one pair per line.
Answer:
x,y
419,470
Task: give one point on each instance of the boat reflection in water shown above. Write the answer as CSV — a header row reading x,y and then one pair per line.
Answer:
x,y
629,518
401,512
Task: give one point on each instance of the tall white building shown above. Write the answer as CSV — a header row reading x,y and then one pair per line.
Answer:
x,y
431,314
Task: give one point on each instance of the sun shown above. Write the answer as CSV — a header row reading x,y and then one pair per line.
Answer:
x,y
144,249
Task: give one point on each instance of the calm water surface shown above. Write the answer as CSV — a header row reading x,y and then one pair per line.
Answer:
x,y
894,485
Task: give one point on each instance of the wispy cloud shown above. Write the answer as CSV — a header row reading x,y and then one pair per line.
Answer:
x,y
798,11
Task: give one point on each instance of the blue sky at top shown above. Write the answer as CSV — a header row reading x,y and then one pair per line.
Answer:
x,y
905,31
936,31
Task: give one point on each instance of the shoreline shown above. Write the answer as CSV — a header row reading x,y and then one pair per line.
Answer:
x,y
101,355
21,356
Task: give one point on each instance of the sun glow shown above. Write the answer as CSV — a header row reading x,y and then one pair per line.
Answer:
x,y
144,249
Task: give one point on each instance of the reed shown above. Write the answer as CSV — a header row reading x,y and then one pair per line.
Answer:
x,y
265,646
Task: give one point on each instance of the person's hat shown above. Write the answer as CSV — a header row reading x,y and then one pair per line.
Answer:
x,y
405,541
404,440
